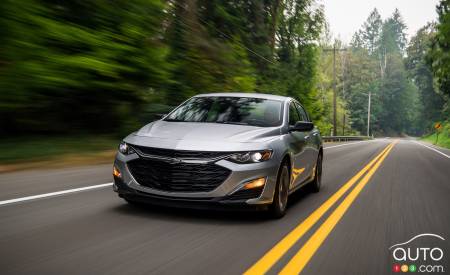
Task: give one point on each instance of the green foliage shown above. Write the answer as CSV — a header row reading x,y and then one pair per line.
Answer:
x,y
419,70
443,139
362,77
295,73
376,65
108,67
325,86
440,53
101,66
369,35
393,36
398,99
78,65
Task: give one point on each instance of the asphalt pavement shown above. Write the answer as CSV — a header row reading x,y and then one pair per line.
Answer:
x,y
404,193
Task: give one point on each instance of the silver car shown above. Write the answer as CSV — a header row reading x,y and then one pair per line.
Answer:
x,y
225,150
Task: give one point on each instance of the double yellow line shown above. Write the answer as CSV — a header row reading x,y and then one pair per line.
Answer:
x,y
302,257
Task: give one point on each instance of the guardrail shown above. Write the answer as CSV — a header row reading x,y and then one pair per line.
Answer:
x,y
344,138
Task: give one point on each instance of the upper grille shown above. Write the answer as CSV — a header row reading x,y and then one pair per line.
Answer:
x,y
180,154
177,177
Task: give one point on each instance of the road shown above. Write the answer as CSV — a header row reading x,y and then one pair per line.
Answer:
x,y
95,232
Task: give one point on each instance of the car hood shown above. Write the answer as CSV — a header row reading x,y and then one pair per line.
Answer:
x,y
202,136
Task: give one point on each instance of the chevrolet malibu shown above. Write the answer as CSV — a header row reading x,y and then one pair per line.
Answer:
x,y
227,150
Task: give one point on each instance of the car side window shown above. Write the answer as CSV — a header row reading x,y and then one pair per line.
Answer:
x,y
293,114
302,112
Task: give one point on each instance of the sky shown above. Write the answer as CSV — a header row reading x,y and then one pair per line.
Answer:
x,y
346,16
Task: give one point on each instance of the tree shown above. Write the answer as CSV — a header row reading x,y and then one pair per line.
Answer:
x,y
325,87
65,64
206,51
440,48
370,32
393,35
419,70
361,78
357,40
68,63
398,99
376,66
299,28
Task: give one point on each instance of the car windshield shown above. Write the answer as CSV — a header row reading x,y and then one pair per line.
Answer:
x,y
229,110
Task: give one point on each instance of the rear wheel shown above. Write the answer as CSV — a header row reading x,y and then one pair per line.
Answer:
x,y
317,182
280,198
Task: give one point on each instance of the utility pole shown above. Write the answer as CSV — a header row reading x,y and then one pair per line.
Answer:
x,y
343,126
368,115
343,94
334,87
334,92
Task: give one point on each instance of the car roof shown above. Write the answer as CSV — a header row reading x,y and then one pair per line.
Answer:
x,y
252,95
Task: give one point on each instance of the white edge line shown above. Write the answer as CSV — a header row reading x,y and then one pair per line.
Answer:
x,y
431,148
46,195
415,237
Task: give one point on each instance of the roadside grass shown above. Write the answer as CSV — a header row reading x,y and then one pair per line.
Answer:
x,y
54,149
444,137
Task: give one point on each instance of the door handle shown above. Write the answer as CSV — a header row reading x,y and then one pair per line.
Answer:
x,y
306,137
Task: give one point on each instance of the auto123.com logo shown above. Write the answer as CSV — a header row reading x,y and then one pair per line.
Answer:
x,y
415,256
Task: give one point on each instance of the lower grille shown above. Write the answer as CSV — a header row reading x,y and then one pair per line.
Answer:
x,y
245,194
177,177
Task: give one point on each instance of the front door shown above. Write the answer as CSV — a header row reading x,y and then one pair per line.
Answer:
x,y
298,145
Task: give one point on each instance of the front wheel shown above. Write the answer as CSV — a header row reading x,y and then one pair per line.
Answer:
x,y
317,182
280,198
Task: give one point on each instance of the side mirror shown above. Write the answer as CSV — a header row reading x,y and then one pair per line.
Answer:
x,y
301,126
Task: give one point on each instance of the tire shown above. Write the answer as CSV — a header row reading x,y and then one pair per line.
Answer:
x,y
281,194
317,181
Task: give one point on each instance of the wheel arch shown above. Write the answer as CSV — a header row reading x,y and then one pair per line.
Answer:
x,y
287,158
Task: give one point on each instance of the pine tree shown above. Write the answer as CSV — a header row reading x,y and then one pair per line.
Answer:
x,y
431,102
370,32
393,35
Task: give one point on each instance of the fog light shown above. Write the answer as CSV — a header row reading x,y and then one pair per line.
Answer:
x,y
116,172
255,183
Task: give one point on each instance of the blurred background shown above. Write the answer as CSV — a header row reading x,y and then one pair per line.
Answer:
x,y
77,76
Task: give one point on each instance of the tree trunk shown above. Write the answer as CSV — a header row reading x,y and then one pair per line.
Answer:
x,y
273,26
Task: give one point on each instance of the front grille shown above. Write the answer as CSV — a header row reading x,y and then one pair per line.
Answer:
x,y
181,154
177,177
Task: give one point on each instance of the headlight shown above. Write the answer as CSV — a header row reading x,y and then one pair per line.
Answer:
x,y
125,149
251,157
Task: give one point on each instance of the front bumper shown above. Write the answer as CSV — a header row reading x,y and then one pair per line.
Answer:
x,y
224,203
221,197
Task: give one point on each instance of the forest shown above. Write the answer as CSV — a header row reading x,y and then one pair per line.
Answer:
x,y
108,67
